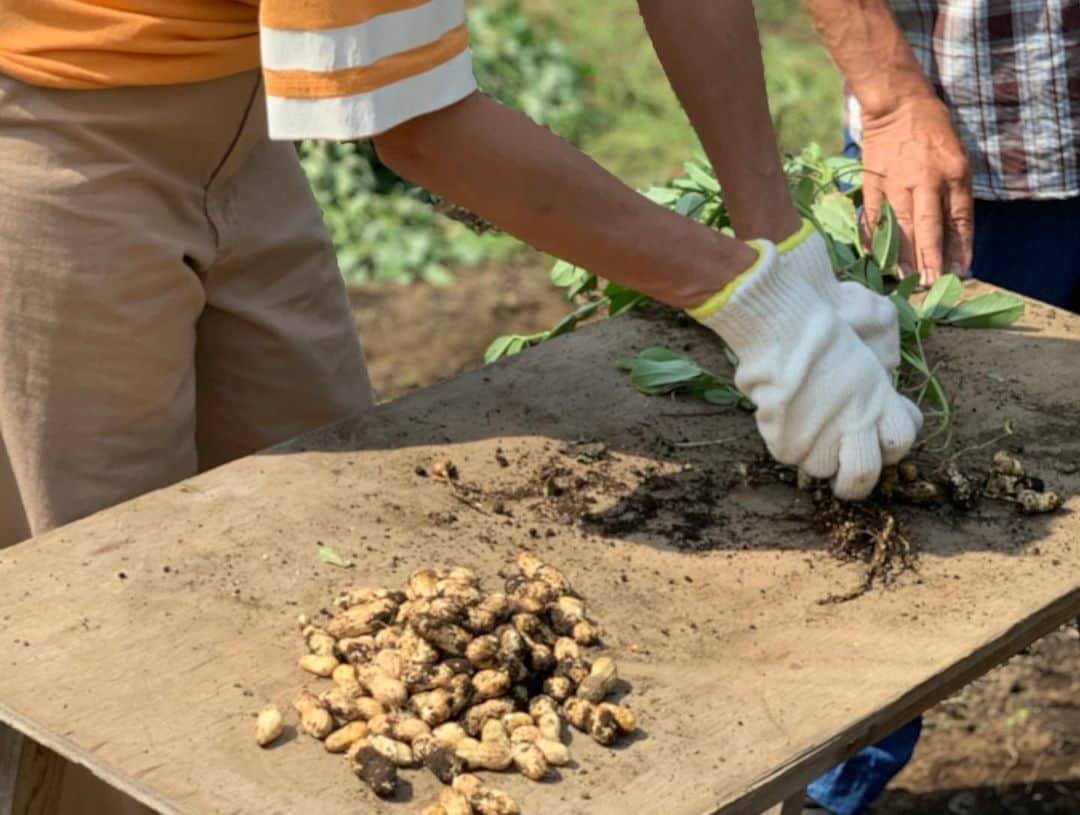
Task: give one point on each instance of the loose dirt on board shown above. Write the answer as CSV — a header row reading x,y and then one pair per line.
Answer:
x,y
1008,743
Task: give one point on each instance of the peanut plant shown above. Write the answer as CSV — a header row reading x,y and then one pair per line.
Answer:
x,y
828,192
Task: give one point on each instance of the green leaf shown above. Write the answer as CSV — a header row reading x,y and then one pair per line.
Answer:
x,y
621,299
941,297
702,177
665,196
909,319
571,320
846,171
690,203
845,255
499,348
994,310
731,356
436,275
835,213
803,194
874,278
907,286
575,280
658,370
886,240
728,396
330,555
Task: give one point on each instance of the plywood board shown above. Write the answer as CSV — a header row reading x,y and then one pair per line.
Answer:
x,y
141,641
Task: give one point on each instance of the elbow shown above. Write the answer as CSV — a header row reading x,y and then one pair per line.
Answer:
x,y
414,147
401,149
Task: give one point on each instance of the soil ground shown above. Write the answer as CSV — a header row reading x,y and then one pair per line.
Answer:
x,y
1008,743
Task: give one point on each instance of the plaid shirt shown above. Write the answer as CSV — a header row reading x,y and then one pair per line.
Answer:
x,y
1009,72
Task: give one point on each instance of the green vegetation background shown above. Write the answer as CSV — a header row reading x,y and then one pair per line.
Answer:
x,y
644,134
585,69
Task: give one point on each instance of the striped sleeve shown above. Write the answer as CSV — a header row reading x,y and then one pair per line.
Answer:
x,y
350,69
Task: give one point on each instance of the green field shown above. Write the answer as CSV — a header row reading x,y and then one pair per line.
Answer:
x,y
643,134
586,69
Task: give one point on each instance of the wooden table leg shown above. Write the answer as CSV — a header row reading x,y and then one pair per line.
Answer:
x,y
39,776
10,747
791,806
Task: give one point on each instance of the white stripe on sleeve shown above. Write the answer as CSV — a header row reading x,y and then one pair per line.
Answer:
x,y
358,45
367,114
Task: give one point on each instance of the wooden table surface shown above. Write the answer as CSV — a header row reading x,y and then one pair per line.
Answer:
x,y
141,641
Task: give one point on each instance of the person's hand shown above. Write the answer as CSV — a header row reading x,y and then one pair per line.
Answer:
x,y
824,402
913,158
871,316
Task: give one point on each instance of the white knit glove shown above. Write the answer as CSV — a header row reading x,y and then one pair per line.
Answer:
x,y
872,316
824,402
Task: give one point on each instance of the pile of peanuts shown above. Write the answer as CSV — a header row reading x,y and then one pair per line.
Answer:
x,y
453,678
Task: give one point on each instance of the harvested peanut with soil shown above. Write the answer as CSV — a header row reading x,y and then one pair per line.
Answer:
x,y
600,682
476,717
512,721
579,713
450,733
530,760
483,755
1033,503
345,737
397,752
345,676
558,687
319,642
454,803
624,719
444,763
490,684
314,718
373,768
449,677
367,618
322,666
555,752
483,799
268,726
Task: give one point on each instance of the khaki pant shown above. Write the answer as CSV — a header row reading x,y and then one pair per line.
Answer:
x,y
169,301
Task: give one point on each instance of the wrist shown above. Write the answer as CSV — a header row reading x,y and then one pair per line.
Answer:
x,y
714,271
892,93
767,213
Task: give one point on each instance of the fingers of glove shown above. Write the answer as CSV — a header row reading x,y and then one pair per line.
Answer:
x,y
887,350
929,232
914,413
897,430
874,319
960,237
823,460
859,466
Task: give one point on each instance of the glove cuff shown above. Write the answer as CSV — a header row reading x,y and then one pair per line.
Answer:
x,y
765,303
720,299
797,239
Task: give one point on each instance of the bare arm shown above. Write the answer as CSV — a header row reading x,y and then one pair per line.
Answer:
x,y
911,152
534,185
712,56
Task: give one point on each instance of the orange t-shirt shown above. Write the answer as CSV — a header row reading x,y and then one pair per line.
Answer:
x,y
335,69
87,44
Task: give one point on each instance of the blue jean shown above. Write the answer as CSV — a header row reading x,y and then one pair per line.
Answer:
x,y
1029,247
849,788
